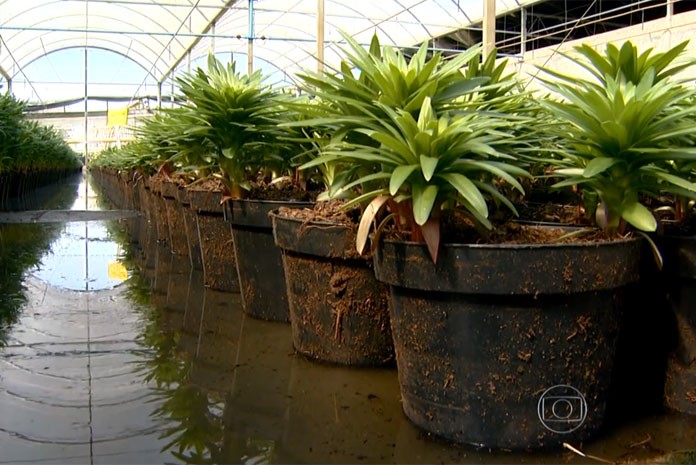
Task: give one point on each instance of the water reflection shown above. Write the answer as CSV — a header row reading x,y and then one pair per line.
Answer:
x,y
163,370
233,391
22,247
84,257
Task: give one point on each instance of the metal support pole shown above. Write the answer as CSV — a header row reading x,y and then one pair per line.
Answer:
x,y
523,31
86,76
488,27
250,44
321,22
212,40
159,95
670,8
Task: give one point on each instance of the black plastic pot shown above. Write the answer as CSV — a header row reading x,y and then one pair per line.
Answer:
x,y
507,346
178,242
339,312
159,212
680,269
259,262
191,226
215,240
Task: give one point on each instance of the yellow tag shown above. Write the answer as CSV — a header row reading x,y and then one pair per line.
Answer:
x,y
117,117
117,271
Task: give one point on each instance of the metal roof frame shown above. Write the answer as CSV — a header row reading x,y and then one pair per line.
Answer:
x,y
162,35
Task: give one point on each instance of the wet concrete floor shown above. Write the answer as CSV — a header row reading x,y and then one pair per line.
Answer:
x,y
111,354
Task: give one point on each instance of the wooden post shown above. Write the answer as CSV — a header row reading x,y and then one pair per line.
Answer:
x,y
250,43
488,27
320,35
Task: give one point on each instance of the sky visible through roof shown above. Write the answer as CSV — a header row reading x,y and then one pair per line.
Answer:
x,y
43,41
60,76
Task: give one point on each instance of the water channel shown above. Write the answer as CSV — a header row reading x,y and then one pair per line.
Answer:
x,y
114,354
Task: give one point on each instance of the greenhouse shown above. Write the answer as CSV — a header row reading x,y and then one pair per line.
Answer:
x,y
322,231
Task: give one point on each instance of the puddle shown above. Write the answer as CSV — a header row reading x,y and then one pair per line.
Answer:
x,y
140,363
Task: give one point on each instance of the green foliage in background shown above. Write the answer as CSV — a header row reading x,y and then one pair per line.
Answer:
x,y
27,146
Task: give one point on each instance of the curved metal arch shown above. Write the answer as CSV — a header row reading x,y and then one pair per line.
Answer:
x,y
359,14
222,50
90,47
122,5
160,43
296,62
29,56
398,22
278,60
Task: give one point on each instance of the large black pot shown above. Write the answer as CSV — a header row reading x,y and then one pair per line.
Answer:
x,y
339,312
215,241
507,346
178,242
680,270
191,226
259,262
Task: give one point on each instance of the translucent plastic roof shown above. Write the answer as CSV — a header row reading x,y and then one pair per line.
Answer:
x,y
162,36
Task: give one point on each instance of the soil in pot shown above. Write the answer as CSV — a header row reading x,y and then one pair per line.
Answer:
x,y
339,312
508,346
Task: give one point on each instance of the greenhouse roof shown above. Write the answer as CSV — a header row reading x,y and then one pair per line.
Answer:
x,y
162,36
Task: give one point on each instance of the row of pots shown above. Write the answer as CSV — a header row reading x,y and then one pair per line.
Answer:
x,y
18,188
507,346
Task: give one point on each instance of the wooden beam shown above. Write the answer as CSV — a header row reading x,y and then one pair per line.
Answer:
x,y
488,27
320,35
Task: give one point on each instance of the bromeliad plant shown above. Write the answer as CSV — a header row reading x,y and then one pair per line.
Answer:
x,y
624,131
419,136
430,164
238,116
367,82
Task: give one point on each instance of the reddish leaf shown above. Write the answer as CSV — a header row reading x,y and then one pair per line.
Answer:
x,y
431,235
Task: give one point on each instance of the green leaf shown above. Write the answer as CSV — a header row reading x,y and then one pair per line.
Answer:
x,y
469,191
428,166
399,176
639,216
423,201
677,181
459,88
599,165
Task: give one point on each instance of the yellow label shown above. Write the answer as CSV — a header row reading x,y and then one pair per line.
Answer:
x,y
117,271
117,117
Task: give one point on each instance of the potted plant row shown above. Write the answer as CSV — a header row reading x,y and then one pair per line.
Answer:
x,y
240,115
31,155
505,334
